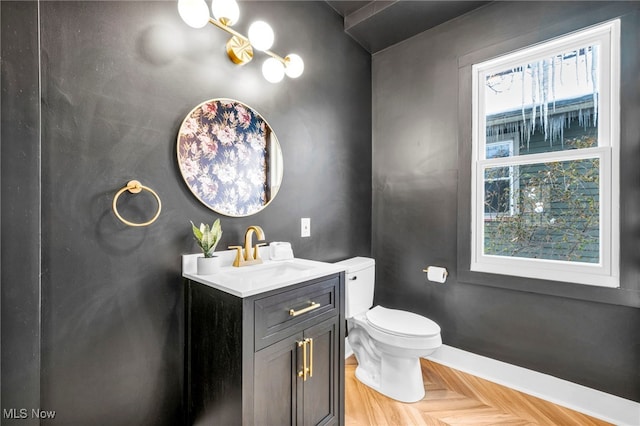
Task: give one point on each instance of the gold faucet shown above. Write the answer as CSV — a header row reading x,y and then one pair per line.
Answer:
x,y
251,255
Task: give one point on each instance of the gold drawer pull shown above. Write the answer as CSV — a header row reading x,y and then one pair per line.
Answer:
x,y
311,307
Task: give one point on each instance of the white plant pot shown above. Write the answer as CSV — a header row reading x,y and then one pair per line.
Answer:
x,y
208,265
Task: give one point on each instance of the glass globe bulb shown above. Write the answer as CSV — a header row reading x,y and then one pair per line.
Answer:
x,y
293,65
225,11
273,70
261,35
194,13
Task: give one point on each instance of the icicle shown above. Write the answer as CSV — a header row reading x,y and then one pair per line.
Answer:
x,y
586,64
556,124
516,127
580,119
561,69
584,119
563,119
540,98
594,81
545,99
534,92
524,116
553,81
577,68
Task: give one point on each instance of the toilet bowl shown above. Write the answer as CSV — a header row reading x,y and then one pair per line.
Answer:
x,y
387,343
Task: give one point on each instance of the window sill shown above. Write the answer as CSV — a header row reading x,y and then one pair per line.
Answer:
x,y
614,296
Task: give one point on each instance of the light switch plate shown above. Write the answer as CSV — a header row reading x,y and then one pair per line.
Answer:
x,y
305,227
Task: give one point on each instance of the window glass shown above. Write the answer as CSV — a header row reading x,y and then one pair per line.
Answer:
x,y
548,102
556,212
499,182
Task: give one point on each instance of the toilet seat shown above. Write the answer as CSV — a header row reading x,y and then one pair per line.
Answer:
x,y
401,323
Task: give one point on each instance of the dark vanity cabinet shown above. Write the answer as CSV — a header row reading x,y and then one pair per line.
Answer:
x,y
275,358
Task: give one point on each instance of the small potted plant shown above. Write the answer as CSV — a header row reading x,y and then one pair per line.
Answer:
x,y
207,238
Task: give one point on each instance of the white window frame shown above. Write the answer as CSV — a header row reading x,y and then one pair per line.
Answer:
x,y
606,272
511,141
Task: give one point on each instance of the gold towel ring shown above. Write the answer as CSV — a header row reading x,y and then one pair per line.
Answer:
x,y
134,187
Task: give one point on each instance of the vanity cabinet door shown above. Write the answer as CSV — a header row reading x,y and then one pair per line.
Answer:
x,y
320,391
281,394
276,383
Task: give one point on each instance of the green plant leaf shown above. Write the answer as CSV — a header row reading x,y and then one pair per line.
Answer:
x,y
196,233
207,237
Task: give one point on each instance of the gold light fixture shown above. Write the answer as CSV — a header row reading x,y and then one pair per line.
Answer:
x,y
240,49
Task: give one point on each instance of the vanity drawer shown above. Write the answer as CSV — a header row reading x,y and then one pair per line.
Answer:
x,y
282,314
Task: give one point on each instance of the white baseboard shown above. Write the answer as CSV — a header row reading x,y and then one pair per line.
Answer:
x,y
601,405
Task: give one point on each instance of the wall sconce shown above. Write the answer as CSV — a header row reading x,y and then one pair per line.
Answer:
x,y
195,13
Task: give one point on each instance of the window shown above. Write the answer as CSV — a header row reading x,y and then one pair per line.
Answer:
x,y
545,160
499,183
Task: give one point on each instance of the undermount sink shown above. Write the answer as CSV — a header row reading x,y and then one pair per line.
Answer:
x,y
268,270
254,279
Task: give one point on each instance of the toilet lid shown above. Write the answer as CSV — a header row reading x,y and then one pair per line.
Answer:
x,y
401,323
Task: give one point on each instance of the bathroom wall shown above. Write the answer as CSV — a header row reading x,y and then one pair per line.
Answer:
x,y
19,208
419,196
117,78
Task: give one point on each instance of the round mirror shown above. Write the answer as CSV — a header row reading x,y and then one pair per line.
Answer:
x,y
229,157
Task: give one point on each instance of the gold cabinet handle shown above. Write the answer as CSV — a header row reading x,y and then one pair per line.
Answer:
x,y
303,373
310,340
307,370
311,307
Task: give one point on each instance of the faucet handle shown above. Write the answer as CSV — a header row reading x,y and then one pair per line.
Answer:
x,y
239,259
256,253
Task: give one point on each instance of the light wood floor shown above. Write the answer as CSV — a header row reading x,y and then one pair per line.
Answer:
x,y
453,398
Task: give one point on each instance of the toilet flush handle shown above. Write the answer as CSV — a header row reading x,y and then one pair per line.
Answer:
x,y
355,277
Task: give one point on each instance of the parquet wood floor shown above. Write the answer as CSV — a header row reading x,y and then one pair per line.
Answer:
x,y
453,398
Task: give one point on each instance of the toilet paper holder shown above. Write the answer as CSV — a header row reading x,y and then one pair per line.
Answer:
x,y
432,277
425,270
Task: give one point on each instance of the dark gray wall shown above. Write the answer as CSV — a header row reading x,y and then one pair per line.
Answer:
x,y
117,80
20,208
421,184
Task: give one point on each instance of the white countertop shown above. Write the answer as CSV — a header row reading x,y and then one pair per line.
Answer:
x,y
255,279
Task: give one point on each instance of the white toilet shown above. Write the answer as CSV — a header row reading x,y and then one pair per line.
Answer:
x,y
387,343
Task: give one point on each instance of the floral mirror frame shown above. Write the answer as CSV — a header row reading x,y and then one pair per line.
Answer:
x,y
229,157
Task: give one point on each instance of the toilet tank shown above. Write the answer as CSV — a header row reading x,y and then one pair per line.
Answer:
x,y
360,282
